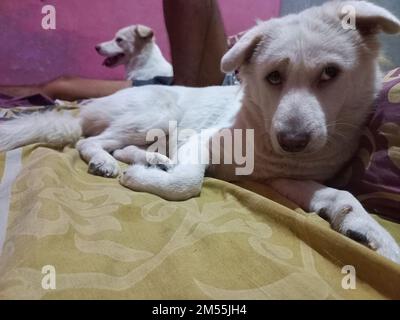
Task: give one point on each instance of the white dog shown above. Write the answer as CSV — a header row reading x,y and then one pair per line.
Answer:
x,y
308,86
135,48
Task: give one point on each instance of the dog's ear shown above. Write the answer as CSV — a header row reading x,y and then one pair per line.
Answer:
x,y
144,32
242,51
370,18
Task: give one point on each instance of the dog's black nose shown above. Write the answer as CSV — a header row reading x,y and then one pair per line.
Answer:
x,y
293,142
98,48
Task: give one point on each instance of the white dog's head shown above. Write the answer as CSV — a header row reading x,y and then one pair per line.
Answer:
x,y
310,76
126,45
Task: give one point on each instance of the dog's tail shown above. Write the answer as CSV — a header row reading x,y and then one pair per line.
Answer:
x,y
50,127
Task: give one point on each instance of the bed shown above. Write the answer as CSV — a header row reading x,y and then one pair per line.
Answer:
x,y
103,241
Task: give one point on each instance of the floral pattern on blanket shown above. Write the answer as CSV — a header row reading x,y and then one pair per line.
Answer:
x,y
106,241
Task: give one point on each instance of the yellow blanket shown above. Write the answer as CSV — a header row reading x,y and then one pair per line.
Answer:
x,y
100,240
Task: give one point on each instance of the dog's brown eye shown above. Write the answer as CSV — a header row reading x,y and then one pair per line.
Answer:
x,y
329,73
274,78
119,40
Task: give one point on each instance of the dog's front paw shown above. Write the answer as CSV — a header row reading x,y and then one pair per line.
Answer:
x,y
125,155
103,166
159,160
135,155
354,222
131,177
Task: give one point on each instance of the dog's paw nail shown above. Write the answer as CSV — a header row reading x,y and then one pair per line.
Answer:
x,y
162,167
358,237
373,245
346,210
92,166
323,213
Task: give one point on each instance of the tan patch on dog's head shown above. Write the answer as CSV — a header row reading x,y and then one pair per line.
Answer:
x,y
127,43
144,32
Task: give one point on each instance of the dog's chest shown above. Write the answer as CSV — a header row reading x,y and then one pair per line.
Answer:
x,y
266,165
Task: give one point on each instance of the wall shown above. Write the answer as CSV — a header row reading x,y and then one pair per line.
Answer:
x,y
391,44
29,54
241,15
32,54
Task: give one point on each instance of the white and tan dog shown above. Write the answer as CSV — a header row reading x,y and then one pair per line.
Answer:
x,y
308,86
135,47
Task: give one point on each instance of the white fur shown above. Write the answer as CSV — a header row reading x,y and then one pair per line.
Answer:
x,y
300,47
49,127
139,53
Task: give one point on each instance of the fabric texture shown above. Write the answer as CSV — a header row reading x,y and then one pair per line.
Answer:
x,y
233,242
374,175
34,100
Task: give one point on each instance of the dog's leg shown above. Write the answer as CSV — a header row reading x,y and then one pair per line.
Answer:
x,y
181,182
136,155
344,212
95,151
